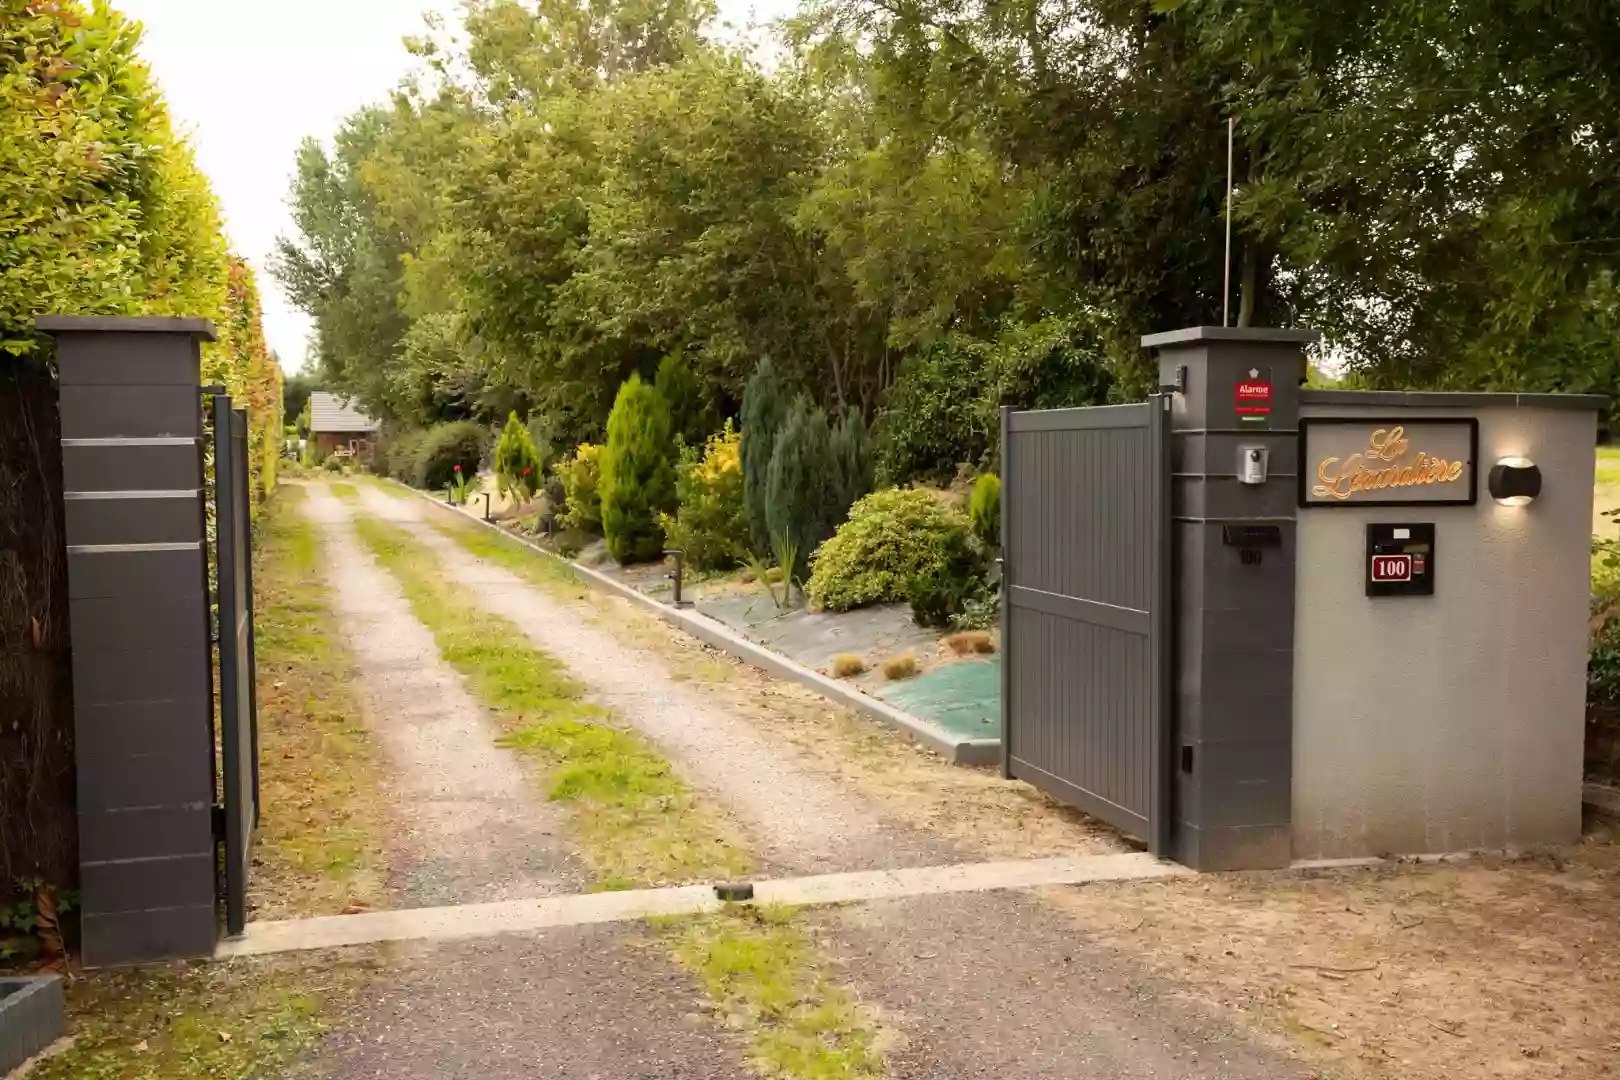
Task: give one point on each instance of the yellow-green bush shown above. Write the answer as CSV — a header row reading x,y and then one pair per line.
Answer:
x,y
893,538
711,526
517,462
581,476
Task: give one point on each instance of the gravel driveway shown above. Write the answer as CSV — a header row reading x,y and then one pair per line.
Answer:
x,y
585,1003
989,985
804,822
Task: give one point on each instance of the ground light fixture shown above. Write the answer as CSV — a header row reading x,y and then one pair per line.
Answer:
x,y
1514,481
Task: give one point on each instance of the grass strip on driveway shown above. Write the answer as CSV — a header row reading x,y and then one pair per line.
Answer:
x,y
639,823
765,975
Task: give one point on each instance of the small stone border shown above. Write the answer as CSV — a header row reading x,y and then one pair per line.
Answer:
x,y
717,635
31,1018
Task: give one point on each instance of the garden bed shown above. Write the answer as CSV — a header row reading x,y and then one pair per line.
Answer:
x,y
734,615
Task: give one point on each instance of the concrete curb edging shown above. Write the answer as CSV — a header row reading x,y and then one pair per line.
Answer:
x,y
722,637
588,909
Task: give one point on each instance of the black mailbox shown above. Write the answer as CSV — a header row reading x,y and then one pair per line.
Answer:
x,y
1400,560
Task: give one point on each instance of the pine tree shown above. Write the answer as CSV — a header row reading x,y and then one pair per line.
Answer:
x,y
764,410
638,473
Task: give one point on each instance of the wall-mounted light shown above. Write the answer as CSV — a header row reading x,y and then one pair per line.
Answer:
x,y
1514,481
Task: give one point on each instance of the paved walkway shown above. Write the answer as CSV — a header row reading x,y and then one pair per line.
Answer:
x,y
981,985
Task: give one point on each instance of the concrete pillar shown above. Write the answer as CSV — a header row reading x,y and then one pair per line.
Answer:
x,y
138,604
1233,590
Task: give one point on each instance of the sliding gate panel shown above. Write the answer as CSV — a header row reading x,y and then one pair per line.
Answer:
x,y
1085,710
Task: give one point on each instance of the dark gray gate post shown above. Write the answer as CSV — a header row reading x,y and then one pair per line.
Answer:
x,y
131,421
1233,590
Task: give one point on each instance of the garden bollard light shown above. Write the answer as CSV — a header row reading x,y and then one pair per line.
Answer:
x,y
675,576
486,505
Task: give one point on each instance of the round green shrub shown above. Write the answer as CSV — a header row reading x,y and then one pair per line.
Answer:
x,y
397,452
891,540
638,474
333,463
517,462
581,477
444,447
984,509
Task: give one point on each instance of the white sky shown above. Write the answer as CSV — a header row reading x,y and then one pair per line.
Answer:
x,y
247,80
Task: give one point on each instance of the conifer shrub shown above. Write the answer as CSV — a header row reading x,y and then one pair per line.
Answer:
x,y
638,474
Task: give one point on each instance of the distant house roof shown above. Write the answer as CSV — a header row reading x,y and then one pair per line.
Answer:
x,y
336,415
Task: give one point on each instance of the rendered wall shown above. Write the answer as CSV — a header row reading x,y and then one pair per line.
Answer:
x,y
1454,721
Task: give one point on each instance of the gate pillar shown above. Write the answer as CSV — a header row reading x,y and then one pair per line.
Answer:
x,y
1233,589
138,607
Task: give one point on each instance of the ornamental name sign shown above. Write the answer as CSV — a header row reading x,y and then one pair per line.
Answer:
x,y
1345,462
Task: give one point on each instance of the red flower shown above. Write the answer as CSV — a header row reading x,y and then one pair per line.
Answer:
x,y
525,470
458,468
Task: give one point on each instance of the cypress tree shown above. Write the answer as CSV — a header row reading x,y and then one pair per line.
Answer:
x,y
638,473
764,410
852,454
803,488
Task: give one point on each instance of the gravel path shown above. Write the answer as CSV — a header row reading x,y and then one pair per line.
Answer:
x,y
805,822
471,828
579,1004
989,986
583,1003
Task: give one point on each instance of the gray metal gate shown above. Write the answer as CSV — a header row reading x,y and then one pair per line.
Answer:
x,y
238,712
1086,634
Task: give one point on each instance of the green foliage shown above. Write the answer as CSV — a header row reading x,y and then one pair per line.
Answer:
x,y
638,474
517,463
295,392
951,207
892,539
984,510
764,411
581,475
950,585
333,463
692,415
944,409
711,526
852,454
442,449
803,484
398,452
102,209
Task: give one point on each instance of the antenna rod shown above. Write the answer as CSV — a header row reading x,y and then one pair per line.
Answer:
x,y
1226,267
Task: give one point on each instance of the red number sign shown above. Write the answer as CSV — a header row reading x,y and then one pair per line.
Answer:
x,y
1253,398
1392,568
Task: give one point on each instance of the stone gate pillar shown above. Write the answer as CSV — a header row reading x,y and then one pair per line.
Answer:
x,y
139,627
